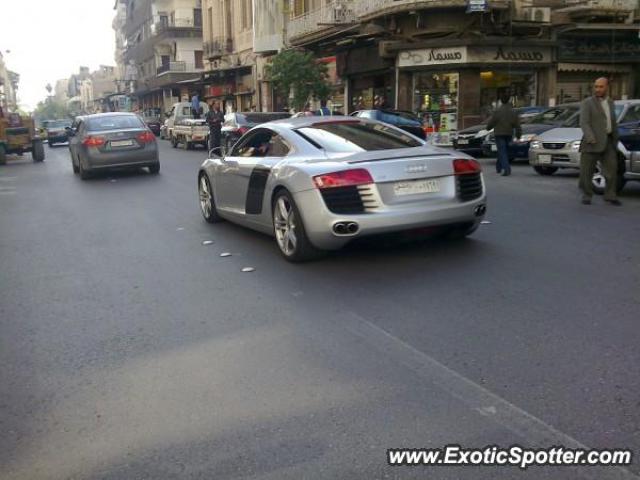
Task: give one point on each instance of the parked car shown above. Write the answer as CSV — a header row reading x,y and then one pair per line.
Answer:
x,y
151,118
111,140
180,111
560,147
471,139
317,183
237,124
550,118
57,131
407,121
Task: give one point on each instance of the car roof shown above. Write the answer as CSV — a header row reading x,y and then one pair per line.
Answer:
x,y
307,121
108,114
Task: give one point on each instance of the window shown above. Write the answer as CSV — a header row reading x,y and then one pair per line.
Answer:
x,y
197,17
261,143
198,58
632,115
355,136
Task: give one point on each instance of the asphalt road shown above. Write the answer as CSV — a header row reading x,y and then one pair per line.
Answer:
x,y
130,350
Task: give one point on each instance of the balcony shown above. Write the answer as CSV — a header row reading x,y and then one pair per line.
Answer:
x,y
218,48
177,27
177,67
369,9
331,15
609,9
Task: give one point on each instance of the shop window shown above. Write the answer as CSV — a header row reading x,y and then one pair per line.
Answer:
x,y
435,100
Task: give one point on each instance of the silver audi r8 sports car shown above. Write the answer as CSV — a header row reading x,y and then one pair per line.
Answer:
x,y
318,183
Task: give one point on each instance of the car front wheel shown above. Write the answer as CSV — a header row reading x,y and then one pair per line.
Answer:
x,y
289,230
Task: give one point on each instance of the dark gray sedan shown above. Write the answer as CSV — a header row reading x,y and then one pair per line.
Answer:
x,y
111,140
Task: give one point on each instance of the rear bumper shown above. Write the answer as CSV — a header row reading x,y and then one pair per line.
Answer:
x,y
96,160
319,221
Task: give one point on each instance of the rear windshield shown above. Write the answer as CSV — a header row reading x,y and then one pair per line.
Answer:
x,y
58,123
258,117
351,137
114,122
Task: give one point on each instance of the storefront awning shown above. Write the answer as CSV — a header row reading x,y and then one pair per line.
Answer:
x,y
593,67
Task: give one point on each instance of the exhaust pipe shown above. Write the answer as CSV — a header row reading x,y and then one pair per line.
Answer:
x,y
480,210
345,228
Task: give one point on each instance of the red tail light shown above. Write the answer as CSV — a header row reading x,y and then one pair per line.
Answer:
x,y
94,141
146,137
242,130
345,178
463,166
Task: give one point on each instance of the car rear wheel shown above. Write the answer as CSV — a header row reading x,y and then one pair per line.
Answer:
x,y
84,175
75,167
545,170
207,202
600,183
155,168
291,237
3,155
37,151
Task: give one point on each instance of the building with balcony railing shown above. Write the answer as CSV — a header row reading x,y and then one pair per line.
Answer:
x,y
162,41
229,76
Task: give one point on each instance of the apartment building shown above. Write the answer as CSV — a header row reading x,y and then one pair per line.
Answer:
x,y
228,32
162,55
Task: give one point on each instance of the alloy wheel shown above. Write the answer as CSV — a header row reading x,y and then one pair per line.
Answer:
x,y
284,221
205,197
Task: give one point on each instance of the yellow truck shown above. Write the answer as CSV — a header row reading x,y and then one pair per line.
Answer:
x,y
18,135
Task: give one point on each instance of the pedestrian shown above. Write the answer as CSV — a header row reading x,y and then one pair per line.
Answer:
x,y
599,142
504,123
307,110
324,110
195,106
215,119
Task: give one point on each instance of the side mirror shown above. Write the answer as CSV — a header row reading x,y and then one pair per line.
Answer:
x,y
215,152
70,131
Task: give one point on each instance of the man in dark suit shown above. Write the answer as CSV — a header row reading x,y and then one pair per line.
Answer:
x,y
599,142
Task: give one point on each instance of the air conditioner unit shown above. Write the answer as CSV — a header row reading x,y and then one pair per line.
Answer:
x,y
536,14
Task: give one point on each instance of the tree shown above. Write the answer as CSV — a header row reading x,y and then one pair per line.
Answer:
x,y
50,109
298,73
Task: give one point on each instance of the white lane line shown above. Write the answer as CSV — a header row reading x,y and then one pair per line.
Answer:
x,y
534,431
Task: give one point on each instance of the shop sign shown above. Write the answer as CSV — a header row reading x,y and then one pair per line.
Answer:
x,y
477,6
599,50
432,56
502,54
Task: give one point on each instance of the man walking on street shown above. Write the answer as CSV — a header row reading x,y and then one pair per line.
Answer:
x,y
215,119
504,122
599,142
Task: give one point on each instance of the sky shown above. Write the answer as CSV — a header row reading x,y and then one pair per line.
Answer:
x,y
49,40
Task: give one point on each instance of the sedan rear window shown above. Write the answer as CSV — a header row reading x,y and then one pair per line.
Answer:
x,y
114,122
353,136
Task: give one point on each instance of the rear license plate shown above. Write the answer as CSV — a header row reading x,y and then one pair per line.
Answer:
x,y
121,143
494,148
416,186
463,141
544,159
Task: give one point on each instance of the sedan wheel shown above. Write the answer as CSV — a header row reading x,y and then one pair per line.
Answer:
x,y
289,230
207,203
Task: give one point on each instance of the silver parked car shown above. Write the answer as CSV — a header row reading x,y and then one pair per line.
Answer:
x,y
111,140
317,183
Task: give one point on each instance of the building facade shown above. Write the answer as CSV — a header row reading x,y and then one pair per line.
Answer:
x,y
230,74
8,87
161,57
448,61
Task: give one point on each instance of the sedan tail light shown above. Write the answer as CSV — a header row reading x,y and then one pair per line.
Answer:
x,y
463,166
345,178
94,141
242,130
146,137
